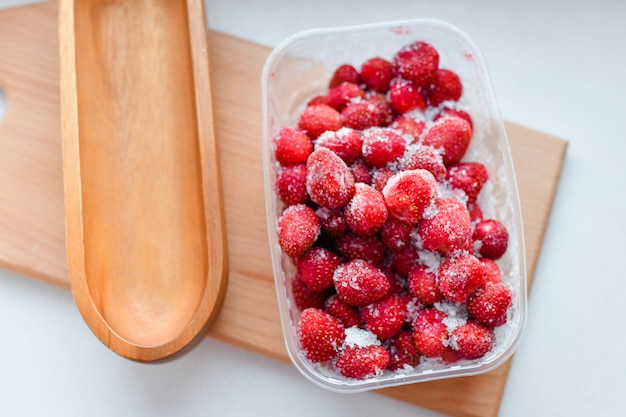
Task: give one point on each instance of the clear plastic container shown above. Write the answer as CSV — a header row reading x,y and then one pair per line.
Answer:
x,y
300,68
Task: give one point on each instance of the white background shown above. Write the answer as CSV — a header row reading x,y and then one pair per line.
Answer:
x,y
557,66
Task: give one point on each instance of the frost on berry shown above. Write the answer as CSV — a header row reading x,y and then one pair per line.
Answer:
x,y
359,283
298,228
329,181
366,212
409,193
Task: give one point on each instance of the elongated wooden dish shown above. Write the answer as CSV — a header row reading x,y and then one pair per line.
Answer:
x,y
144,220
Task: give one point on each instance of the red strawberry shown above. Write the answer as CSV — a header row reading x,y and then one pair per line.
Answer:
x,y
362,362
329,181
316,268
492,270
430,333
366,211
368,248
451,135
385,317
417,63
469,177
298,228
304,298
472,340
333,222
345,142
382,146
381,177
413,307
445,85
384,108
361,171
396,234
359,283
292,146
476,213
320,335
448,229
319,118
459,276
344,73
376,74
455,112
404,97
491,238
402,351
338,97
291,185
361,115
409,193
321,99
488,305
348,315
409,126
422,284
423,157
403,261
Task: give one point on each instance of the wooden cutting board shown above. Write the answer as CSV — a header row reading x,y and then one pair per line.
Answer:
x,y
32,241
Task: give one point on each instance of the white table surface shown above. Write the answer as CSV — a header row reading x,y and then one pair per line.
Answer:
x,y
557,66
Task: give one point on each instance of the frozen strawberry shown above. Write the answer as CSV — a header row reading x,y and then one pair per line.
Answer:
x,y
329,181
459,276
422,284
292,146
291,185
417,63
359,283
490,238
368,248
361,115
405,97
320,335
385,317
413,307
382,146
316,268
345,142
345,73
448,229
451,135
492,270
408,194
376,74
319,118
333,222
397,284
445,85
361,362
384,108
348,315
472,340
366,211
403,353
381,177
423,157
469,177
409,126
445,112
488,305
404,260
304,298
430,333
476,213
321,99
338,97
361,171
396,234
298,228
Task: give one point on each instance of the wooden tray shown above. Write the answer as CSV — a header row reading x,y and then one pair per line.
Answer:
x,y
31,193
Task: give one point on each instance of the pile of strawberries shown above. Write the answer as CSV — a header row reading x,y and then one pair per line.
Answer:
x,y
394,261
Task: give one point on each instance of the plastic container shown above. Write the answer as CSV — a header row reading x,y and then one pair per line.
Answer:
x,y
300,68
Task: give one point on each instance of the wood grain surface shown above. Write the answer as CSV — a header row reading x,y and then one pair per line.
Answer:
x,y
31,193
